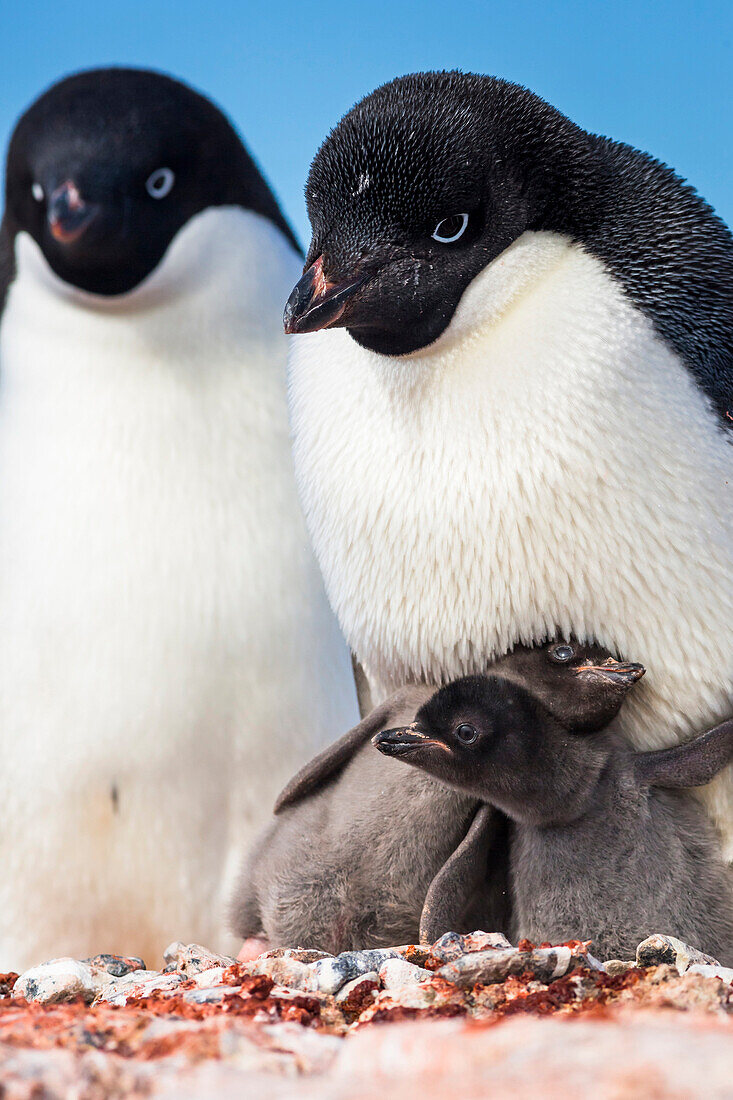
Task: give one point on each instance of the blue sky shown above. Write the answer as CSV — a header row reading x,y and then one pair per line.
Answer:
x,y
658,75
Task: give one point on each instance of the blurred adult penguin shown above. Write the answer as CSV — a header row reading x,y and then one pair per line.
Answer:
x,y
167,653
517,422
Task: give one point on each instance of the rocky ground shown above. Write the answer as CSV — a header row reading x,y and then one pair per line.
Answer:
x,y
470,1016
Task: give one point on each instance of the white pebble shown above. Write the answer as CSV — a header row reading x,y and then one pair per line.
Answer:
x,y
395,973
58,980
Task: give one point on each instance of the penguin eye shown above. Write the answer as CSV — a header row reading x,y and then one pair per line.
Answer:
x,y
37,192
466,734
159,183
562,653
450,229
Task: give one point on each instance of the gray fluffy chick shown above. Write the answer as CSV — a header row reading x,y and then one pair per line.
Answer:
x,y
363,854
605,845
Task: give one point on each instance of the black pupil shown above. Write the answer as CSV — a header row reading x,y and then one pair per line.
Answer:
x,y
466,733
450,226
563,653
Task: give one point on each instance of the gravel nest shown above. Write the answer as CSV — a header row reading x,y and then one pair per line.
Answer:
x,y
470,1012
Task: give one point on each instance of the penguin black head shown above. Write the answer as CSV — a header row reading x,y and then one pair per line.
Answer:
x,y
474,734
106,167
581,684
418,188
495,740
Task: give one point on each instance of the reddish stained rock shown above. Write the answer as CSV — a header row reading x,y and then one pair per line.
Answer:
x,y
254,1031
358,994
642,1056
7,982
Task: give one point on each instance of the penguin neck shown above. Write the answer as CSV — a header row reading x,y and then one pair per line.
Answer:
x,y
512,481
206,300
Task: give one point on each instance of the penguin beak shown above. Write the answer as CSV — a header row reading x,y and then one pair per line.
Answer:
x,y
623,673
315,303
68,214
402,742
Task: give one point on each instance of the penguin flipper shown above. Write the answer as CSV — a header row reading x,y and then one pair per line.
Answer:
x,y
461,876
329,763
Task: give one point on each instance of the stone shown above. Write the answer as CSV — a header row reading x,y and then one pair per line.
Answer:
x,y
417,953
712,970
115,965
452,945
287,972
333,973
659,949
58,980
432,997
206,978
642,1055
210,995
358,993
313,1051
300,954
190,959
394,973
618,966
497,964
449,947
137,985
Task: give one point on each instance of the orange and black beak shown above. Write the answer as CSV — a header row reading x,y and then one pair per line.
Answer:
x,y
315,303
68,214
623,673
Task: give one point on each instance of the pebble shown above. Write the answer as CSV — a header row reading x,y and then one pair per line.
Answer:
x,y
58,980
190,959
452,945
613,967
497,964
137,985
335,972
358,993
115,965
414,953
211,995
712,970
207,978
658,949
300,954
395,973
288,972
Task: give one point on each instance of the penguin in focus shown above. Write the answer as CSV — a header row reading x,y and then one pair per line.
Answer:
x,y
511,390
167,652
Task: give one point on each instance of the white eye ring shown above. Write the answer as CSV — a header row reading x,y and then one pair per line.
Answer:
x,y
160,182
437,235
37,192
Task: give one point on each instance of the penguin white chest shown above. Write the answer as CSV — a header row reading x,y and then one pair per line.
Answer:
x,y
547,465
156,590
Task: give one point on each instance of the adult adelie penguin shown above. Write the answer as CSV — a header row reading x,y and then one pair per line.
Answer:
x,y
517,422
167,654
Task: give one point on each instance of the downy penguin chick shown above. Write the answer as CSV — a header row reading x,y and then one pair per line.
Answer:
x,y
604,844
363,854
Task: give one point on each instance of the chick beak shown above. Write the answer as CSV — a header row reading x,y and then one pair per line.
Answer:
x,y
315,303
401,742
623,673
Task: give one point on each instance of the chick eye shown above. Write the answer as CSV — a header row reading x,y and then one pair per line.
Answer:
x,y
562,653
466,734
450,229
37,191
159,183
